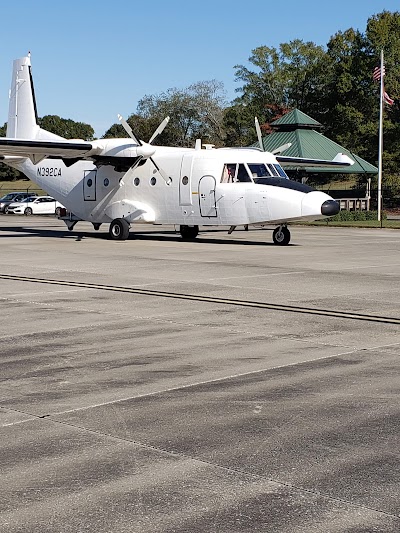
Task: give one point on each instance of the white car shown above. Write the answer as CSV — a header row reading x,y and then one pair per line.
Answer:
x,y
36,205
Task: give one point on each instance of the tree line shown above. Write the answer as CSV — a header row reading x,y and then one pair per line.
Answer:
x,y
333,84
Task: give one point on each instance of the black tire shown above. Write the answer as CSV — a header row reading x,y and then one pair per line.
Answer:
x,y
119,229
5,210
189,233
96,225
58,211
28,211
281,236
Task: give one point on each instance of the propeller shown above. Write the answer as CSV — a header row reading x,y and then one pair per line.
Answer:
x,y
259,134
260,140
282,148
157,132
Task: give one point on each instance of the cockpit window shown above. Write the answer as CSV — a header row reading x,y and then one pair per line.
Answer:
x,y
273,170
229,173
258,170
233,172
241,172
281,172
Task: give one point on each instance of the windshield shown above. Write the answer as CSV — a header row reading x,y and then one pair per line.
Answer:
x,y
259,170
7,197
24,200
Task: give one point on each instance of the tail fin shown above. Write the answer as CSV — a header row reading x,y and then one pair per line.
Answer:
x,y
22,112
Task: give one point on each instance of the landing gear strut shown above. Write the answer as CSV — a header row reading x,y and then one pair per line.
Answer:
x,y
281,236
189,233
119,229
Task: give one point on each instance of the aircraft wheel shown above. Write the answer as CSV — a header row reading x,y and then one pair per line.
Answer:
x,y
96,225
119,229
58,211
281,236
28,211
189,233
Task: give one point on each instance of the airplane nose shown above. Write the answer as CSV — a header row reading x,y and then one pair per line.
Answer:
x,y
330,208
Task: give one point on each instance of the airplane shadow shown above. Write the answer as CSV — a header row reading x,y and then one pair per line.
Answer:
x,y
152,235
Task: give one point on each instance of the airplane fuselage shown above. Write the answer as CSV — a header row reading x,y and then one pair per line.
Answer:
x,y
200,190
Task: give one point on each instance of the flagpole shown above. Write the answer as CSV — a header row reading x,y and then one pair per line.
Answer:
x,y
380,144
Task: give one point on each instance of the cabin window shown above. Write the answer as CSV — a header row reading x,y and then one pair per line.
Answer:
x,y
153,181
185,180
136,182
106,182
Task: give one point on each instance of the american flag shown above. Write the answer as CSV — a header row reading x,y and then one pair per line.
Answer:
x,y
377,73
387,99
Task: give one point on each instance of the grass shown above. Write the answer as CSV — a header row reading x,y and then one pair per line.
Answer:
x,y
20,185
393,224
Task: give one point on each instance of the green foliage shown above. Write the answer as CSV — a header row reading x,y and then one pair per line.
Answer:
x,y
346,216
7,173
195,112
66,128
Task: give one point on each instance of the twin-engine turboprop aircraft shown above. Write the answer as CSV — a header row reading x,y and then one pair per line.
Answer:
x,y
127,181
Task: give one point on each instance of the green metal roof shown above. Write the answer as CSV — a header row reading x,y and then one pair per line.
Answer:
x,y
295,118
308,143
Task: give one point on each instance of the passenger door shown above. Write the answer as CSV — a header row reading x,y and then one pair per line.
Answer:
x,y
208,206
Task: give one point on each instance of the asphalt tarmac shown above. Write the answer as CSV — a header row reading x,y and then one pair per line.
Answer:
x,y
124,411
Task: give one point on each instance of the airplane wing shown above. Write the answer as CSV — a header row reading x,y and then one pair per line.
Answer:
x,y
340,160
102,151
37,150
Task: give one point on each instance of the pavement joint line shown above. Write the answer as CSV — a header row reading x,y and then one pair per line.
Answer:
x,y
205,382
211,464
210,299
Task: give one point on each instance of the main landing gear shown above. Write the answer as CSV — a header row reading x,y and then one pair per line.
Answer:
x,y
119,229
281,236
189,233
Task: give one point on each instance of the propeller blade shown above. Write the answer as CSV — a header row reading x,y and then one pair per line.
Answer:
x,y
164,176
259,134
159,130
281,148
128,129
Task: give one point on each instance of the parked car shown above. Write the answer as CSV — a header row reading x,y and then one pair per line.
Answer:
x,y
36,205
16,196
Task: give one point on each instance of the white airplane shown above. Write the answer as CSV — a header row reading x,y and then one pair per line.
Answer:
x,y
127,181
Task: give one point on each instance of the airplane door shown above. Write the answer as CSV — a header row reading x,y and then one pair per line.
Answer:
x,y
208,206
89,185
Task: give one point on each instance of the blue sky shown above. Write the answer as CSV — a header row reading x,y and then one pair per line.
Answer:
x,y
92,59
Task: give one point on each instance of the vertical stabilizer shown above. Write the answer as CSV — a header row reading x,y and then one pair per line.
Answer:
x,y
22,113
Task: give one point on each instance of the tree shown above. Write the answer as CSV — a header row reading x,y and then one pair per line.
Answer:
x,y
195,112
286,78
66,128
7,173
